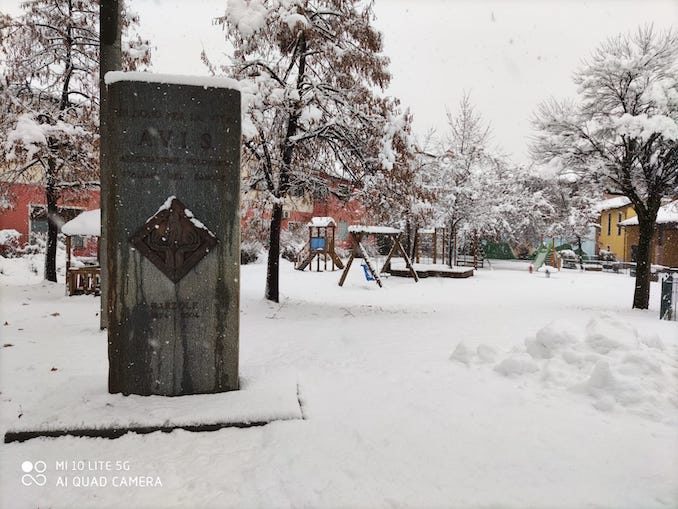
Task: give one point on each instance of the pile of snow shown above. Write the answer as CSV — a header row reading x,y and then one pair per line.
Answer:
x,y
609,362
30,268
482,354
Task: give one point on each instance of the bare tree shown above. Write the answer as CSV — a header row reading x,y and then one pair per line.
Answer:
x,y
623,132
51,113
310,70
399,192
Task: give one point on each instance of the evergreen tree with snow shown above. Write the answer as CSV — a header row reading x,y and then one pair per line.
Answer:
x,y
623,131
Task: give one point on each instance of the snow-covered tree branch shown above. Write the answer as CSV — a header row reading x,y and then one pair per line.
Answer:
x,y
623,131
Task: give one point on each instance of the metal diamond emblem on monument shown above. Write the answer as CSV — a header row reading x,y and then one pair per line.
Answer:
x,y
173,239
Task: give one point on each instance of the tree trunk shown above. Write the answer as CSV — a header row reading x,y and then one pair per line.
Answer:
x,y
51,196
641,296
408,240
273,267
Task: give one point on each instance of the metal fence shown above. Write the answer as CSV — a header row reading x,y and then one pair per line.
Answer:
x,y
669,299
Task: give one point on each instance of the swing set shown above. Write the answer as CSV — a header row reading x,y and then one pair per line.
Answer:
x,y
357,233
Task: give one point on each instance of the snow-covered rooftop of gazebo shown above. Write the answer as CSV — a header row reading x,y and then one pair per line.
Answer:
x,y
666,214
322,222
612,203
87,223
359,228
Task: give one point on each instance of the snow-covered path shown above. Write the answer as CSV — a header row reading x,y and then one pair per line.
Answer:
x,y
398,414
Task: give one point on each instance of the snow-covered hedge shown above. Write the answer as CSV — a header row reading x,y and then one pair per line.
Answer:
x,y
9,243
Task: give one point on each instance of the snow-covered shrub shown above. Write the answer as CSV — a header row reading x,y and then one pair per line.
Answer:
x,y
342,252
291,244
607,256
9,243
568,254
250,251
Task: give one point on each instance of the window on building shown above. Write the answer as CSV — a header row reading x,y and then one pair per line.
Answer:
x,y
609,224
38,218
619,227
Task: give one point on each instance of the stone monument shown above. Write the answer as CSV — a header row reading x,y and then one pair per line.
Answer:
x,y
173,233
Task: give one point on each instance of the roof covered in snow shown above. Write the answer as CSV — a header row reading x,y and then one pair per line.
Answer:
x,y
359,228
612,203
322,222
87,223
666,214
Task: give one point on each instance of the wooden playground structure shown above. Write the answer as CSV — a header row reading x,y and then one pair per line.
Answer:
x,y
321,236
83,274
431,256
431,244
357,233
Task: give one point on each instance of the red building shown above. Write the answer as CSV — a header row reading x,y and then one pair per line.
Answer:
x,y
298,210
23,208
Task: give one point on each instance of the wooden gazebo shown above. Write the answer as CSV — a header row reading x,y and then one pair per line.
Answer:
x,y
83,274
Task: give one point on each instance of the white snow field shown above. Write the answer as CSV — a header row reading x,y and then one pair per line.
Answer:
x,y
504,390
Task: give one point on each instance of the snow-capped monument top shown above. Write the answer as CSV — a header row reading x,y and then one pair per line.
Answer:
x,y
171,79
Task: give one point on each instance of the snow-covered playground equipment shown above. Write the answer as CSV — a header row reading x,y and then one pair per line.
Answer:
x,y
547,254
83,274
357,233
320,244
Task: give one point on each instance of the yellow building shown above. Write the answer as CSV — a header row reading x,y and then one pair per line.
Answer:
x,y
612,236
664,246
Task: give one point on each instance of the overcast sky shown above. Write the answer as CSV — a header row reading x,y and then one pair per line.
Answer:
x,y
509,54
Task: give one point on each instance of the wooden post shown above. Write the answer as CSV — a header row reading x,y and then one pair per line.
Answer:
x,y
408,262
435,245
110,53
332,247
355,240
68,252
68,265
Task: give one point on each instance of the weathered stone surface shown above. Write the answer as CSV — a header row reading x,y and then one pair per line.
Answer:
x,y
173,297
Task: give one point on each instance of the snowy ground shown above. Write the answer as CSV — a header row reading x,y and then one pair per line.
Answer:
x,y
505,390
